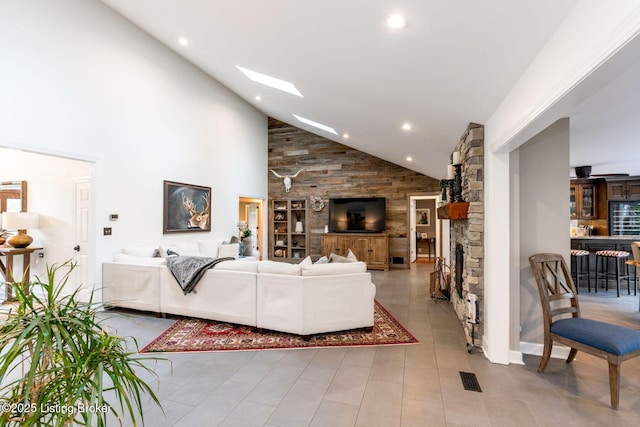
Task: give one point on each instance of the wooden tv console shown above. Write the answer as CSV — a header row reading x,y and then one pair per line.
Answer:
x,y
372,248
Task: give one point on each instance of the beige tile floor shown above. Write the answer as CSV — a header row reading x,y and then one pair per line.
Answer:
x,y
415,385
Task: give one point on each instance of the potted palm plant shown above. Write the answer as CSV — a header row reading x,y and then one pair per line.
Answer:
x,y
60,366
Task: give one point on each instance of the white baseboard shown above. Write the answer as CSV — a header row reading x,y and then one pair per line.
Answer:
x,y
515,357
558,352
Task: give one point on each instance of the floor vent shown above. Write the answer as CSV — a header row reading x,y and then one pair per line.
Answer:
x,y
470,382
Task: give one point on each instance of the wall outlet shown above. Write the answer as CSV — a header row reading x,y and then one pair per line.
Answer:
x,y
107,231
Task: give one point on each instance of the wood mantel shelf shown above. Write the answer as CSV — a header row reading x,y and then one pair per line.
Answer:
x,y
453,211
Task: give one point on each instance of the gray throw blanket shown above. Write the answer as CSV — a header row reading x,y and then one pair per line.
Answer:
x,y
188,270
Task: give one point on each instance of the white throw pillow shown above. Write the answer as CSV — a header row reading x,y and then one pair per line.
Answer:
x,y
334,268
132,259
209,248
306,261
351,256
274,267
140,251
229,250
189,249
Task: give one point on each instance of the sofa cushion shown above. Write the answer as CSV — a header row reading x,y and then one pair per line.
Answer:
x,y
335,258
334,268
247,266
209,248
350,257
274,267
140,251
133,259
184,248
306,261
247,247
229,250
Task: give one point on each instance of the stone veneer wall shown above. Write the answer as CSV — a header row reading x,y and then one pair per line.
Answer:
x,y
470,232
333,170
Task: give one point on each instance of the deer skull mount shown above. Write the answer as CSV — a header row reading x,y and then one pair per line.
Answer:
x,y
286,179
198,219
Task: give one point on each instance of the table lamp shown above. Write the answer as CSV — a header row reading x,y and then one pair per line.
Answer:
x,y
20,221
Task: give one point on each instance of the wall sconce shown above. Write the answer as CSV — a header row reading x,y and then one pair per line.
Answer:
x,y
21,221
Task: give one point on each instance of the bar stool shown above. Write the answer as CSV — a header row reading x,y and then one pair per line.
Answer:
x,y
619,258
580,260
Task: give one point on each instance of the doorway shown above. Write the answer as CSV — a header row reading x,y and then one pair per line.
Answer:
x,y
83,238
424,229
250,211
64,199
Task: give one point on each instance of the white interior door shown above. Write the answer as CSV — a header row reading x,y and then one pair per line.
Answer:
x,y
412,231
252,222
83,237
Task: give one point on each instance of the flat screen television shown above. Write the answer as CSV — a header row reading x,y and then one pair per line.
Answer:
x,y
358,215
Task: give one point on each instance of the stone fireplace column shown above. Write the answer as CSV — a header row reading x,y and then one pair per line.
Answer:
x,y
467,235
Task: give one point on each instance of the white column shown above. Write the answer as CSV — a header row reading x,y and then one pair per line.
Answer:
x,y
497,253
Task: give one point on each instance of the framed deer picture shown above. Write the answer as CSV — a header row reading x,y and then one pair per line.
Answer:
x,y
186,208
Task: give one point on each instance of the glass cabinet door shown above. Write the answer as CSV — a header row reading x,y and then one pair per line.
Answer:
x,y
587,198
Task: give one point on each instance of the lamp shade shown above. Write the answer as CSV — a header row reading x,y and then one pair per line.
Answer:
x,y
19,220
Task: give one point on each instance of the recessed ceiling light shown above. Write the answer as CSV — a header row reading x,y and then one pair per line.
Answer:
x,y
258,98
407,126
409,159
396,20
183,41
345,135
316,124
270,81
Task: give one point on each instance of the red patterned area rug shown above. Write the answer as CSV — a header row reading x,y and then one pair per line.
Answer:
x,y
190,334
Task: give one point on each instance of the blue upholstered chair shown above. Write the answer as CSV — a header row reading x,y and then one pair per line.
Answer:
x,y
563,324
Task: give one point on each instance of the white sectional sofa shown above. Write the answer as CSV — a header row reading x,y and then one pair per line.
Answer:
x,y
314,298
303,298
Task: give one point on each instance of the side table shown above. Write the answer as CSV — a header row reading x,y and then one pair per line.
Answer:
x,y
6,268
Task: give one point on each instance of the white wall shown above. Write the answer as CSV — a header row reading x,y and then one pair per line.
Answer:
x,y
544,216
80,81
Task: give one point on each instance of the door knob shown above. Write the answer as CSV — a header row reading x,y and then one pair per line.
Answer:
x,y
76,248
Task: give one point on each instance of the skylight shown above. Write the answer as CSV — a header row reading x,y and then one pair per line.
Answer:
x,y
270,81
316,124
396,21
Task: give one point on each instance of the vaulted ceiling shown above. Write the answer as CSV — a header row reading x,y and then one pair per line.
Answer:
x,y
453,63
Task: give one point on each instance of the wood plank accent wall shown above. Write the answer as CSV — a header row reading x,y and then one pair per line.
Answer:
x,y
333,170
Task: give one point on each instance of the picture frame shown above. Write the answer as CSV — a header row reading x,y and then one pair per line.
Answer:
x,y
186,208
423,216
